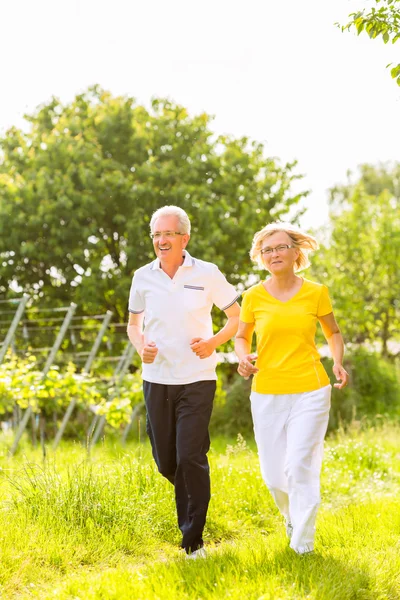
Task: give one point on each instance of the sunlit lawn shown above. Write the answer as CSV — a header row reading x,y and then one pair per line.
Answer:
x,y
103,526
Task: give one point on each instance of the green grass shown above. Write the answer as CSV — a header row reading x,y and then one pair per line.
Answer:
x,y
103,526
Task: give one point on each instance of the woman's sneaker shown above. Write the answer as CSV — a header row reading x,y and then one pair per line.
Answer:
x,y
289,530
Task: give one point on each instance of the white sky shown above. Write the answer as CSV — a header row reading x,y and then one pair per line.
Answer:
x,y
277,71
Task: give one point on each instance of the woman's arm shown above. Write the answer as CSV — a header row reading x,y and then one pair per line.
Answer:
x,y
336,345
243,348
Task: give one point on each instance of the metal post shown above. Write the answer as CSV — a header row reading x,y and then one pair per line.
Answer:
x,y
86,369
122,359
118,376
134,414
13,327
64,422
97,341
59,339
49,362
99,428
91,429
129,352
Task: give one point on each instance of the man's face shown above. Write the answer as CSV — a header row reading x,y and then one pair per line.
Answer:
x,y
168,246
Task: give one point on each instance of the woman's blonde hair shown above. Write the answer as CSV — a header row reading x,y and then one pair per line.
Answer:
x,y
304,243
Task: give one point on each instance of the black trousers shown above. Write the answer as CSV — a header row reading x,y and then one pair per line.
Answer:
x,y
177,424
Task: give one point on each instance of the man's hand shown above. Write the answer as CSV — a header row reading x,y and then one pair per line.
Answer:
x,y
341,375
202,348
245,368
149,352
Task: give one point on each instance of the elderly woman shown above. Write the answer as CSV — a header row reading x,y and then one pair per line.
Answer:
x,y
290,398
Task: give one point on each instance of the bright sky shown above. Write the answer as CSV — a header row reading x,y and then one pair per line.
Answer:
x,y
277,71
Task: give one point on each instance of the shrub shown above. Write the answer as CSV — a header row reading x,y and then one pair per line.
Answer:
x,y
23,384
374,389
232,414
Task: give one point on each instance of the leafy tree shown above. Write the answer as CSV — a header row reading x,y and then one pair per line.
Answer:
x,y
361,261
380,21
77,191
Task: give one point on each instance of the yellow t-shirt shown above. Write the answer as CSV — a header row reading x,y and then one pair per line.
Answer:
x,y
288,359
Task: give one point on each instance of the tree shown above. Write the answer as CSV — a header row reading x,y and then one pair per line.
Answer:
x,y
361,261
384,21
77,191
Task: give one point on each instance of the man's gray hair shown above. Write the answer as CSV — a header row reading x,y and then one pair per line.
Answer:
x,y
174,211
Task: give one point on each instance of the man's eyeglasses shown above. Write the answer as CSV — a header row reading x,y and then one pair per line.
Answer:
x,y
280,248
167,234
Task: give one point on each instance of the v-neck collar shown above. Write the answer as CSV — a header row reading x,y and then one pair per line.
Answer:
x,y
283,301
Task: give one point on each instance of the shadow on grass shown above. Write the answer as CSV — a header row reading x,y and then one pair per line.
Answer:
x,y
261,571
325,576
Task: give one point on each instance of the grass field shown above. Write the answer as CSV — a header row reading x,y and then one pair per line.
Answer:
x,y
103,526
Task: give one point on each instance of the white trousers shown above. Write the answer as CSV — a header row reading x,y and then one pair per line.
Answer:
x,y
289,431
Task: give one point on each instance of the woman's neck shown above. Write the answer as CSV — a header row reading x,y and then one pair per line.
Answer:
x,y
283,281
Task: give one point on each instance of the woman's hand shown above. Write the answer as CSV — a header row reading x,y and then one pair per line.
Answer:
x,y
341,375
246,368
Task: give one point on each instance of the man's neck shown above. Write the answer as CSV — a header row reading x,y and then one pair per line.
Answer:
x,y
171,268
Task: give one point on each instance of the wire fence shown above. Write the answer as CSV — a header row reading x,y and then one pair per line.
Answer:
x,y
37,328
59,336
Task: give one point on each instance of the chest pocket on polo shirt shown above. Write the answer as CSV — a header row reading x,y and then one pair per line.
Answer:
x,y
195,297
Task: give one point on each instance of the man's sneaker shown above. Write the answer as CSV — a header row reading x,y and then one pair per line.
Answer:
x,y
200,553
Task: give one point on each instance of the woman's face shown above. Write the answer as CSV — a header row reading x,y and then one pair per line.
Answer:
x,y
277,257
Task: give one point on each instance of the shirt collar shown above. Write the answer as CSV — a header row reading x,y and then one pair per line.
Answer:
x,y
188,262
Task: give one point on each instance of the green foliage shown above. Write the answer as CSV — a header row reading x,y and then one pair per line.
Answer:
x,y
26,386
78,189
121,399
373,392
104,527
21,383
380,21
232,415
220,392
360,261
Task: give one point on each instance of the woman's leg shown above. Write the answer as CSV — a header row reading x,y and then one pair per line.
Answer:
x,y
306,430
270,413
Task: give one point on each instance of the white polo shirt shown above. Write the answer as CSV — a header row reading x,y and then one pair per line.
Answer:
x,y
176,311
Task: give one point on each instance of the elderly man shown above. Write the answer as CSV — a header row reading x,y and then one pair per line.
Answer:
x,y
173,296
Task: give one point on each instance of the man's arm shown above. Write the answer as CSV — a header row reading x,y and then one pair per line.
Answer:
x,y
147,352
204,348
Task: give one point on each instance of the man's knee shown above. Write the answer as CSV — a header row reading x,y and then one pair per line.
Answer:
x,y
193,461
168,473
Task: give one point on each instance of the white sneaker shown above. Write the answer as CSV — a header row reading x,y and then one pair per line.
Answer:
x,y
308,549
200,553
289,529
